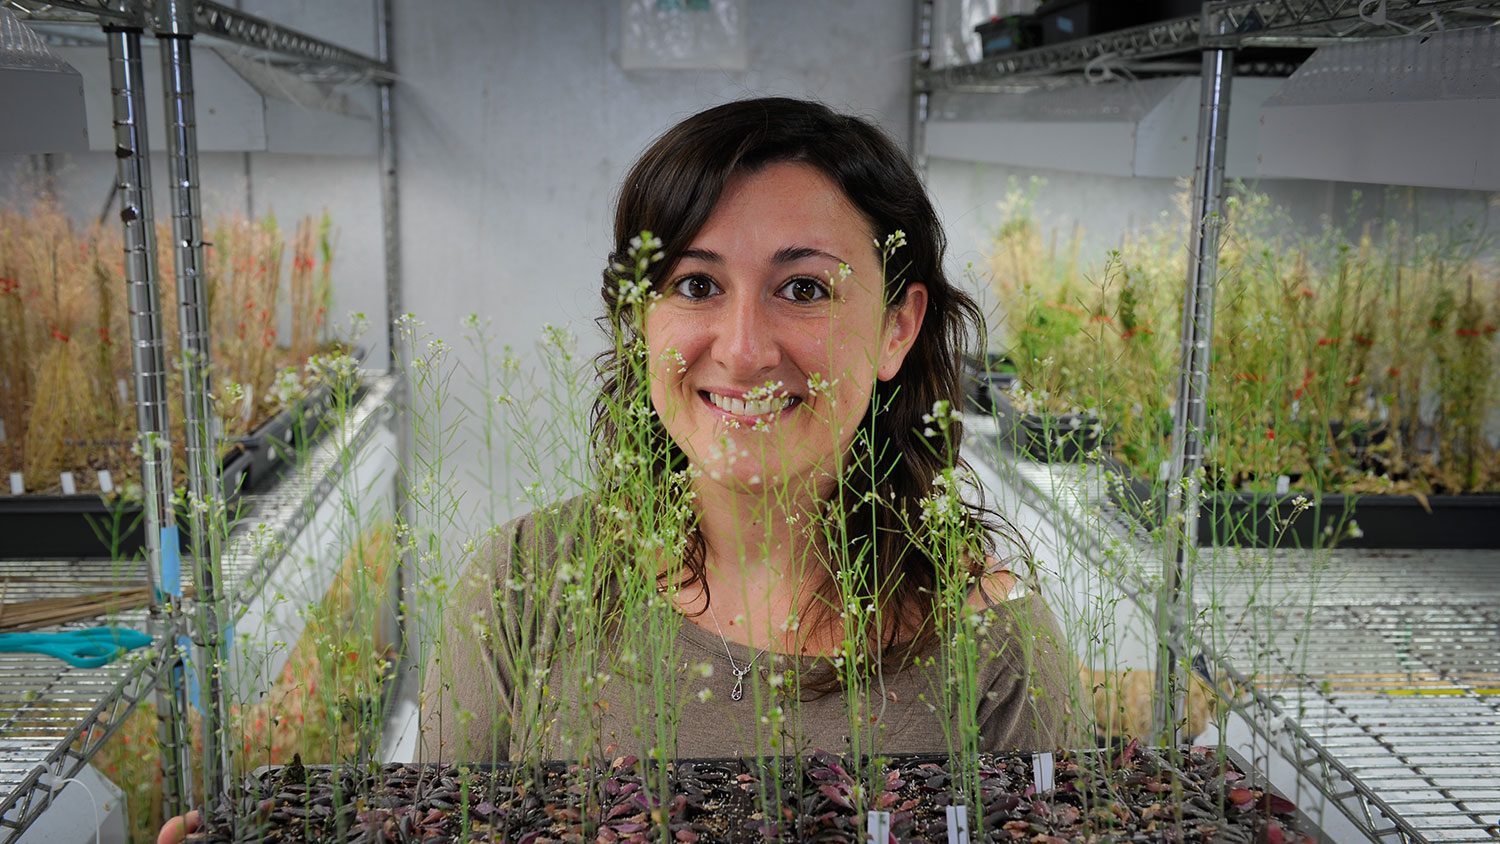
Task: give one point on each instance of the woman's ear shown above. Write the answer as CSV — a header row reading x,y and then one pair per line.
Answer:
x,y
902,323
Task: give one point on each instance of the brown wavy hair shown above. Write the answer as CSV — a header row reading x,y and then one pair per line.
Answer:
x,y
671,192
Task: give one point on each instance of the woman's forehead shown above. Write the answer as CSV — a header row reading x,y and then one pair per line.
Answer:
x,y
786,205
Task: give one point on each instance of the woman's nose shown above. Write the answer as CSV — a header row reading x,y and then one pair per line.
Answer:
x,y
745,342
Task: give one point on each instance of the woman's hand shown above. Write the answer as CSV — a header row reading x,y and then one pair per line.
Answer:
x,y
177,829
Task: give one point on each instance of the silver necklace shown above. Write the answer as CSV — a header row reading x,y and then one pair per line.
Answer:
x,y
738,692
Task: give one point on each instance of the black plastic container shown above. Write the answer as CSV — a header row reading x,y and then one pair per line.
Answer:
x,y
273,447
1065,438
1065,20
983,377
1001,35
60,527
1265,520
77,527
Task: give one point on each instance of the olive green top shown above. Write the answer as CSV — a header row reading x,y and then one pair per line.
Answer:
x,y
473,708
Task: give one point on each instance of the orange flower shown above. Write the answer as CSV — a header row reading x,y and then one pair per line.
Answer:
x,y
1329,341
1270,433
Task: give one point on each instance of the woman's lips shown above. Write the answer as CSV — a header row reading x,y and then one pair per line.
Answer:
x,y
746,412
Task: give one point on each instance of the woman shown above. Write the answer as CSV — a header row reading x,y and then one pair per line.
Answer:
x,y
779,563
799,338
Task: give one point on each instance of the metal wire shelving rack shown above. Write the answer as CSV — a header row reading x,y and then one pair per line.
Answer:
x,y
1318,714
1376,673
53,718
43,743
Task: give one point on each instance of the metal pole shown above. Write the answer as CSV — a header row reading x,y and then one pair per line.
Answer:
x,y
921,98
174,31
1174,603
148,362
390,206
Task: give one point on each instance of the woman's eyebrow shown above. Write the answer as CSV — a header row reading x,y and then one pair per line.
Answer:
x,y
792,254
784,255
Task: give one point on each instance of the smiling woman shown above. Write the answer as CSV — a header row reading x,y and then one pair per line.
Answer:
x,y
776,513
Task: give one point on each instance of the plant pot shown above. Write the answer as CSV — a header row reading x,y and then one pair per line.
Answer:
x,y
1048,438
1265,520
1001,35
63,527
1114,796
983,376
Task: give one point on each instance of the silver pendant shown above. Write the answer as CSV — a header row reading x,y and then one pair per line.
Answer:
x,y
738,692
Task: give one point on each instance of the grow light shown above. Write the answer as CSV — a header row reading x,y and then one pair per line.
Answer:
x,y
35,82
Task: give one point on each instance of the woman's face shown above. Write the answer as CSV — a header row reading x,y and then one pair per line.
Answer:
x,y
764,349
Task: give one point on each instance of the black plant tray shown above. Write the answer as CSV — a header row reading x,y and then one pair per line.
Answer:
x,y
1066,438
983,378
1259,520
1115,795
82,527
273,447
57,527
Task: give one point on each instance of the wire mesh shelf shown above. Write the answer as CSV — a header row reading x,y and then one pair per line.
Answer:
x,y
1382,667
53,717
1296,24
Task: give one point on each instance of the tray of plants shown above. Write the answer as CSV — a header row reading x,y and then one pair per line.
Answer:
x,y
274,446
1351,397
67,418
1132,794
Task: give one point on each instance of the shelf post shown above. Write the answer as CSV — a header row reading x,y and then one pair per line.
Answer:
x,y
921,97
390,207
148,365
1190,417
174,31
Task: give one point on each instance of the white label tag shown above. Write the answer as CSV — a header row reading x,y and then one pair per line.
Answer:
x,y
1283,484
69,488
878,828
1041,772
122,390
958,824
2,430
106,482
1164,471
17,486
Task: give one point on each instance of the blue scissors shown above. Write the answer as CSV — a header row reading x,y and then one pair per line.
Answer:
x,y
88,648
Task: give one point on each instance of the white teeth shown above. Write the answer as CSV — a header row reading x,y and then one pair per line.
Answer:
x,y
740,407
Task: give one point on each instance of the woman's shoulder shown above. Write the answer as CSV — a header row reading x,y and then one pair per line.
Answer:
x,y
997,585
540,535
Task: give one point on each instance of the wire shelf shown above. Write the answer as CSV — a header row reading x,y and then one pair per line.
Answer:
x,y
53,717
284,46
1382,666
1292,24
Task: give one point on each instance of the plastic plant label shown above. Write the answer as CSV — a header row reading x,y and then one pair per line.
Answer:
x,y
958,823
1283,484
878,828
1164,471
122,390
2,430
1042,765
68,486
106,482
17,485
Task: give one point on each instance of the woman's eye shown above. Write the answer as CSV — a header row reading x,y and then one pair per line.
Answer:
x,y
696,287
804,289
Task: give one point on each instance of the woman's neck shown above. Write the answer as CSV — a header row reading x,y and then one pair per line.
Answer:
x,y
759,563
